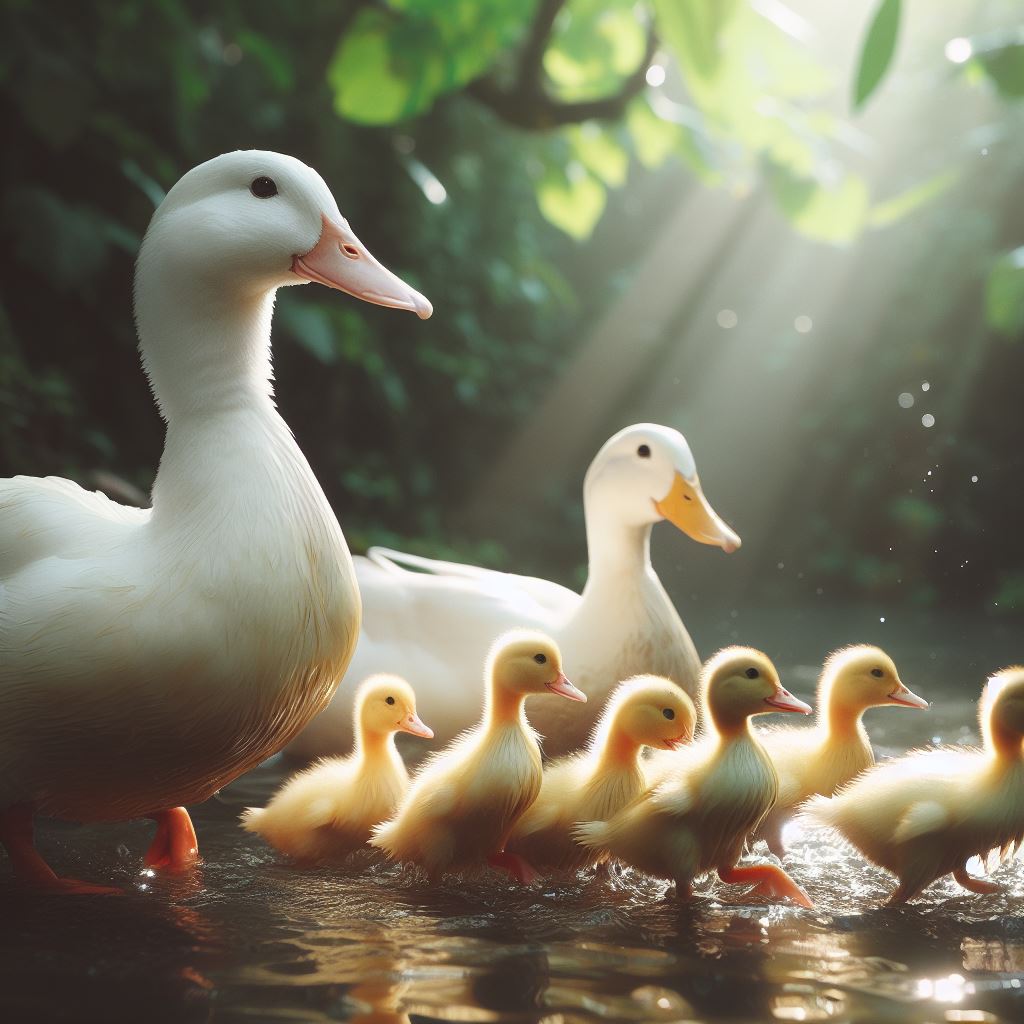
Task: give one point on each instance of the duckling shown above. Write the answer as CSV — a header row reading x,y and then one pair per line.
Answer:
x,y
326,812
695,818
926,814
465,800
599,781
836,748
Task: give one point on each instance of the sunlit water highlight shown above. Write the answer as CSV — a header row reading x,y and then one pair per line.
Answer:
x,y
250,938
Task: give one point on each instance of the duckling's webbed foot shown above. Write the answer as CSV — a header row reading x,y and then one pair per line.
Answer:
x,y
980,886
769,881
174,847
518,867
29,866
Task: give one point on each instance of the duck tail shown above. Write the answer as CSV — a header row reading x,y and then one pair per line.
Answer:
x,y
592,834
819,810
250,819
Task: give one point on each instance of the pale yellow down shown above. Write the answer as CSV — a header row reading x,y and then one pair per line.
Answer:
x,y
599,781
828,754
697,815
926,814
326,812
465,799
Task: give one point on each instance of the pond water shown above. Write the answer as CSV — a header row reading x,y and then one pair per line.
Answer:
x,y
248,938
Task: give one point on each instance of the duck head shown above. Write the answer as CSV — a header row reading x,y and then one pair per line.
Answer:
x,y
740,682
525,662
856,678
252,221
649,711
1001,711
646,473
385,705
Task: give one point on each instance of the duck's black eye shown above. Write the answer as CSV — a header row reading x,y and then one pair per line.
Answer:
x,y
877,673
540,658
263,187
644,451
668,713
389,700
751,673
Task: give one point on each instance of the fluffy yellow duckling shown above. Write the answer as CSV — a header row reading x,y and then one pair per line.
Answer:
x,y
598,782
697,817
836,748
466,799
925,815
328,811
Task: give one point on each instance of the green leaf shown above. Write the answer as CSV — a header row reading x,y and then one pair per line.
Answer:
x,y
571,199
1000,56
692,28
903,203
598,150
828,214
1004,294
879,47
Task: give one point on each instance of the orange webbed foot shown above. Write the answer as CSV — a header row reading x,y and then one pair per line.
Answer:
x,y
979,886
768,880
174,847
518,867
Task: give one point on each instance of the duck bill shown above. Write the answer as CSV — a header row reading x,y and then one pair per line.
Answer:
x,y
783,700
686,508
415,726
339,260
564,688
678,741
907,698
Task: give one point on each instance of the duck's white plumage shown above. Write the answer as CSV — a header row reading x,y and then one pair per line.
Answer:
x,y
434,621
147,657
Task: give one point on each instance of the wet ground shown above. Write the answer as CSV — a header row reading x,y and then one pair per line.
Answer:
x,y
248,938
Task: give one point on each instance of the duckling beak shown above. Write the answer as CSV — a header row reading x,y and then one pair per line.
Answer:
x,y
339,260
686,508
678,741
414,725
783,700
907,698
564,688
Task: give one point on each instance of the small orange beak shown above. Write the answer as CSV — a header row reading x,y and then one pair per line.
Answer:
x,y
686,508
783,700
678,741
907,698
412,724
564,688
339,260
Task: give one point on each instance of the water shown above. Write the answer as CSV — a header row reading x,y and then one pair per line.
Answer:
x,y
248,938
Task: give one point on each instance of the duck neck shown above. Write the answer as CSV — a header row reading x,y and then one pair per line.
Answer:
x,y
619,752
730,727
1005,742
616,550
841,722
374,746
505,707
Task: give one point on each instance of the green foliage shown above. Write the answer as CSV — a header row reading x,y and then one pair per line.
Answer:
x,y
1004,294
877,52
999,57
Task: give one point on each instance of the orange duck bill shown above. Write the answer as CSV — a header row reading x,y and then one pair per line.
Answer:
x,y
564,688
783,700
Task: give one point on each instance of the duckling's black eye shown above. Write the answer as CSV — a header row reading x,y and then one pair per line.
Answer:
x,y
389,700
668,713
540,658
263,187
644,451
877,673
751,673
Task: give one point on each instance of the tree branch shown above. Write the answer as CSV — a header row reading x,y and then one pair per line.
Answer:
x,y
528,105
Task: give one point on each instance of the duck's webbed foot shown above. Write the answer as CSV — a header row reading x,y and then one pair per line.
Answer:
x,y
767,880
29,866
980,886
771,833
518,867
174,847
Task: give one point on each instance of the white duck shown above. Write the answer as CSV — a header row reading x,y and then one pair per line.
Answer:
x,y
151,656
437,625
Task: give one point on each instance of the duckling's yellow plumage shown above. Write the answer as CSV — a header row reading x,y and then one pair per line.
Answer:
x,y
925,815
465,800
328,811
836,748
598,782
697,817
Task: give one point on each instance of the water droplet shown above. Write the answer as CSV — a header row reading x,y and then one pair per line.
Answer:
x,y
782,565
655,76
927,420
727,318
803,324
974,479
906,400
958,50
925,386
881,618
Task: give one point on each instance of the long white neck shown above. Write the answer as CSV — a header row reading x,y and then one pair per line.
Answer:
x,y
616,550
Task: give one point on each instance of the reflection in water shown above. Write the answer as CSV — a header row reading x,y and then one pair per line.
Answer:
x,y
249,938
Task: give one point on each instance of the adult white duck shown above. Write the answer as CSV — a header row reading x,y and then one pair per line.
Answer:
x,y
151,656
436,625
